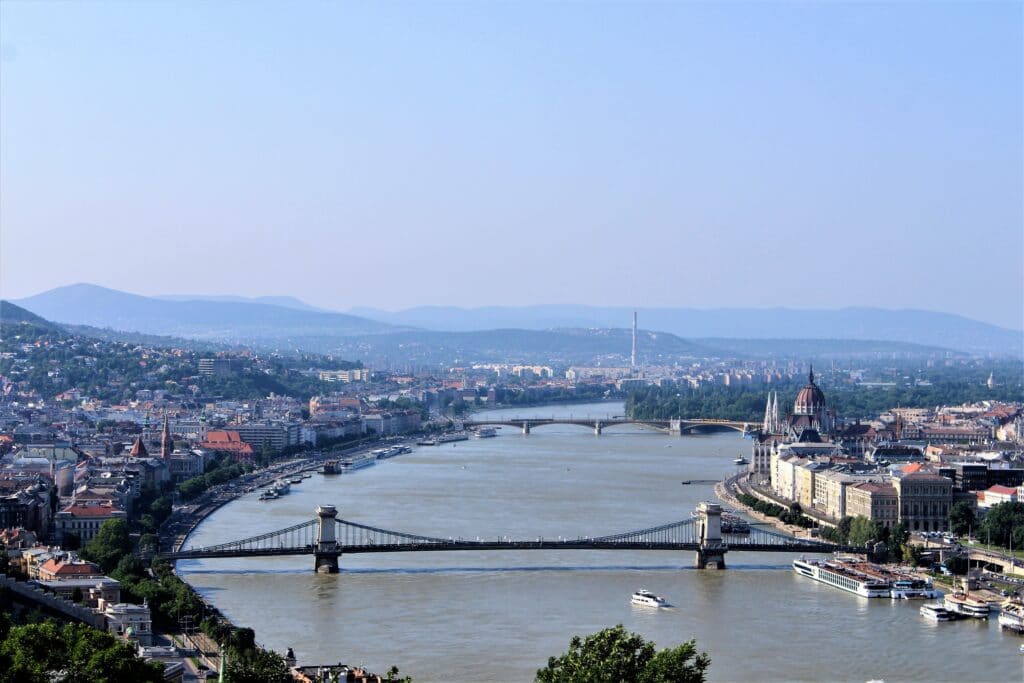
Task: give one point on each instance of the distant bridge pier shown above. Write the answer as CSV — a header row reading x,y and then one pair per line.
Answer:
x,y
711,550
327,553
675,426
597,428
526,427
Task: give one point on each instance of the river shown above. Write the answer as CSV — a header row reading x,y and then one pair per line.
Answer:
x,y
498,616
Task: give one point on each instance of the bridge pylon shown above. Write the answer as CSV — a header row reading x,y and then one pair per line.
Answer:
x,y
327,553
597,428
526,427
712,549
675,426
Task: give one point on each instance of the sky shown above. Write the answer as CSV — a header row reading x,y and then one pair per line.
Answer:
x,y
809,155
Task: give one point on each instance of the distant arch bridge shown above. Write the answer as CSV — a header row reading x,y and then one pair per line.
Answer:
x,y
599,424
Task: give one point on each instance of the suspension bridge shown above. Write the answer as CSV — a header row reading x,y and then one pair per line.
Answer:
x,y
598,425
327,538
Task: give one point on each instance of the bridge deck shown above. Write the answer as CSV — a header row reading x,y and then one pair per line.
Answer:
x,y
796,547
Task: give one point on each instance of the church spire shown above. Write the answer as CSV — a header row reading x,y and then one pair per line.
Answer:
x,y
166,444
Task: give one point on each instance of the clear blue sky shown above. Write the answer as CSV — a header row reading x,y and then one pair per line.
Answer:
x,y
397,154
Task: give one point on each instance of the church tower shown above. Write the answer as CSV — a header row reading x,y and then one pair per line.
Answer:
x,y
166,443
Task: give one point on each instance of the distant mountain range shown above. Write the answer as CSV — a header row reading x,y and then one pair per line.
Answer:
x,y
213,320
910,326
577,334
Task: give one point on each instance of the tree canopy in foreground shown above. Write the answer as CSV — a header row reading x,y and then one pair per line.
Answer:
x,y
615,654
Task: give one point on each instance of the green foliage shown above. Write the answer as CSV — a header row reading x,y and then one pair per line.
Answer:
x,y
72,653
961,518
793,515
1003,523
111,543
615,655
222,470
249,663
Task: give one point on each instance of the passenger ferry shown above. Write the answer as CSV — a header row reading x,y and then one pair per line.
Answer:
x,y
909,588
845,575
486,433
448,438
965,605
282,487
385,453
1012,616
935,612
331,467
357,464
740,461
646,598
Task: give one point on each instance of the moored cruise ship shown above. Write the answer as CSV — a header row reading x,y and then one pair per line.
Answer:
x,y
966,606
849,577
357,464
913,588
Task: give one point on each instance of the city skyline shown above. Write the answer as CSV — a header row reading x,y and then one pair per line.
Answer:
x,y
806,156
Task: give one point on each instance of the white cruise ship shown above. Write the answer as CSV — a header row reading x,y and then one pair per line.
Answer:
x,y
646,598
914,589
845,576
964,605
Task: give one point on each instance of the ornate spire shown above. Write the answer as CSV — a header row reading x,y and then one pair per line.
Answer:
x,y
810,375
166,444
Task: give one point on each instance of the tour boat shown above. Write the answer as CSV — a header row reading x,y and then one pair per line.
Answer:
x,y
935,612
357,464
914,589
426,442
331,467
646,598
269,495
486,433
854,578
282,487
965,605
740,461
1012,616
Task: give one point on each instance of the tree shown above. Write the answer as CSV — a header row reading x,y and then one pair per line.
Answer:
x,y
961,518
1002,521
109,545
862,530
615,654
73,653
255,665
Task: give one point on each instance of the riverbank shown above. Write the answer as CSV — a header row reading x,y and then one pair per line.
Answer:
x,y
727,491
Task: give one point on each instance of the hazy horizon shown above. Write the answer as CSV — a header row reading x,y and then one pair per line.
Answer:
x,y
690,155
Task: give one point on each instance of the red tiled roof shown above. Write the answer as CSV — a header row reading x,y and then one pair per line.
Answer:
x,y
63,569
1003,490
226,441
92,509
